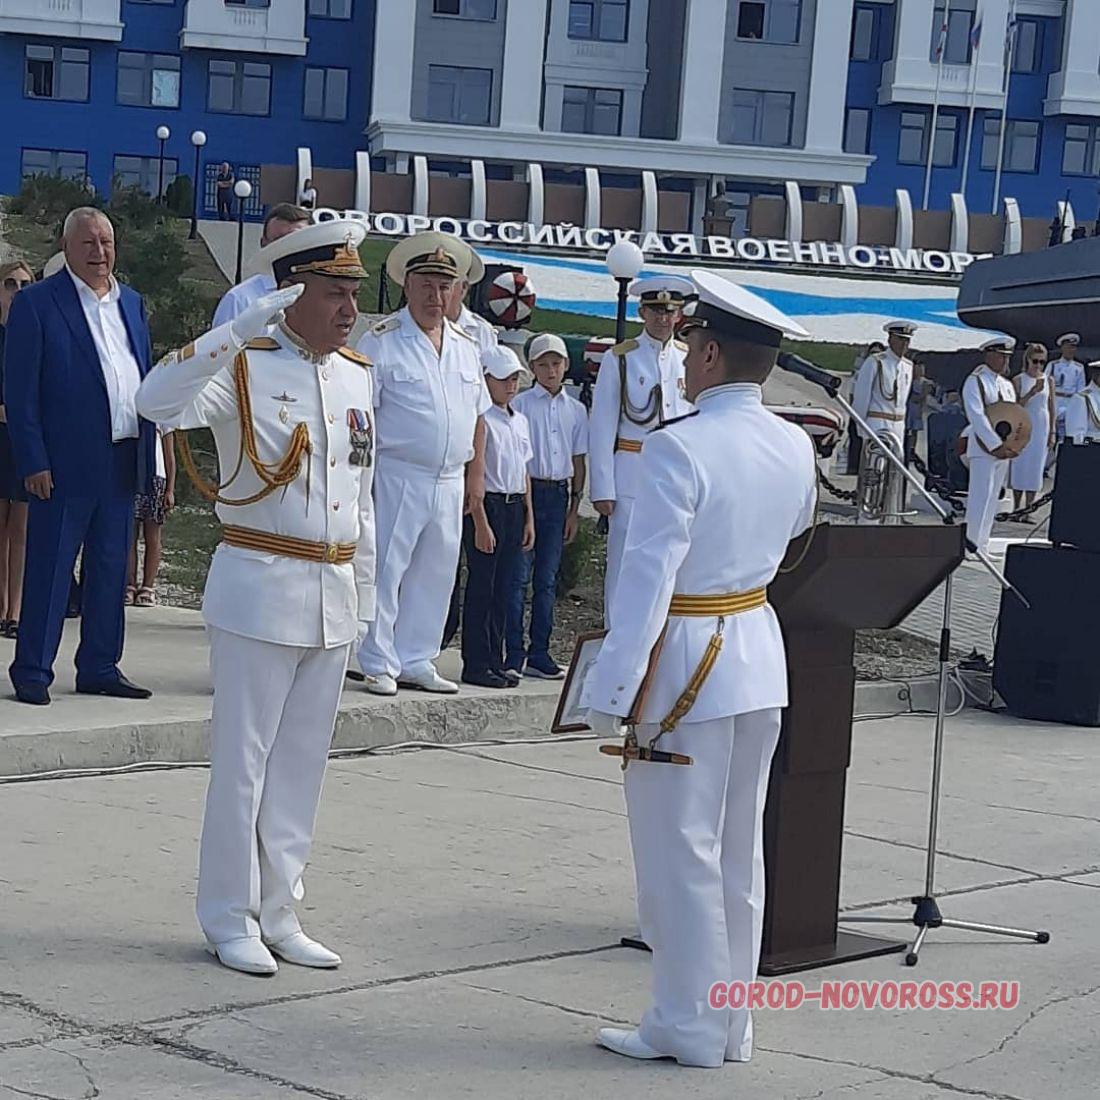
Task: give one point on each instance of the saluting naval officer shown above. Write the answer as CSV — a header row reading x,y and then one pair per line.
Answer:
x,y
639,387
1068,376
430,396
727,488
291,409
883,382
985,451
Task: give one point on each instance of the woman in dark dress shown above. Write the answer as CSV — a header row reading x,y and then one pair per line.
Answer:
x,y
13,498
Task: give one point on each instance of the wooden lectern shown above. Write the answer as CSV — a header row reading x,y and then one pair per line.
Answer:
x,y
848,578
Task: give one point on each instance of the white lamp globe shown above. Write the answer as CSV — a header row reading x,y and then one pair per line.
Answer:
x,y
242,189
163,133
198,138
625,259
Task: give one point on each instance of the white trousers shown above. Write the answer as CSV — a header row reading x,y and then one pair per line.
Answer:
x,y
274,713
418,520
697,838
987,479
617,524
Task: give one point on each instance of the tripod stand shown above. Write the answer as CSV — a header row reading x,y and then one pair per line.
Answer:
x,y
926,914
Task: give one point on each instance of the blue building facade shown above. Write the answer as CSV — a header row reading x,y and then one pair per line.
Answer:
x,y
83,107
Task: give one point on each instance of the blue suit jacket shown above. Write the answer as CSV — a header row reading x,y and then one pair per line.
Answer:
x,y
59,416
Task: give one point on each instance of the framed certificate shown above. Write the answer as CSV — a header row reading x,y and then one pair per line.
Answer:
x,y
571,717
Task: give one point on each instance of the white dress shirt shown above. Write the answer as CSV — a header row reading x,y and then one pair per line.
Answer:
x,y
558,426
116,357
507,450
260,595
428,403
238,298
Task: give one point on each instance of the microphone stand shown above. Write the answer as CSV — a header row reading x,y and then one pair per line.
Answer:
x,y
926,913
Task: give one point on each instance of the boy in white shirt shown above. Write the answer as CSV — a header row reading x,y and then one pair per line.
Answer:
x,y
558,425
497,532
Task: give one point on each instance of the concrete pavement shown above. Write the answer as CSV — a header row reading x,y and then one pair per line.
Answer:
x,y
477,896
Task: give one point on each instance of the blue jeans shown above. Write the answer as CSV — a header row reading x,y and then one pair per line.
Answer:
x,y
539,567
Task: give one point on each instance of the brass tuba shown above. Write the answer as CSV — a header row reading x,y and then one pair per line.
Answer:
x,y
880,488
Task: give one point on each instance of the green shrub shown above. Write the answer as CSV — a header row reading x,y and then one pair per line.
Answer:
x,y
580,560
45,200
179,196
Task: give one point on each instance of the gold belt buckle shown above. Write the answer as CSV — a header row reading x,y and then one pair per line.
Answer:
x,y
332,552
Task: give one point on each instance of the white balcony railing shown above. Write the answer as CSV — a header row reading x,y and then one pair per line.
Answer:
x,y
279,28
94,19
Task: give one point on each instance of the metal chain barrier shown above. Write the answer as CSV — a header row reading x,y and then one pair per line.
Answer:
x,y
938,485
1020,513
848,495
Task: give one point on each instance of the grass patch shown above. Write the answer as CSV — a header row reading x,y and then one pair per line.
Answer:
x,y
191,533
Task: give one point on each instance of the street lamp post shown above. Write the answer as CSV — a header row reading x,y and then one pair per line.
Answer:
x,y
242,189
198,140
163,134
624,260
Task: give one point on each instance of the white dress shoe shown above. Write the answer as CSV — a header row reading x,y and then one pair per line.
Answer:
x,y
629,1043
299,949
429,681
381,685
247,954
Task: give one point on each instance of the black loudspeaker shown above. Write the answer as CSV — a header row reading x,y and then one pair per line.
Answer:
x,y
1075,513
1045,663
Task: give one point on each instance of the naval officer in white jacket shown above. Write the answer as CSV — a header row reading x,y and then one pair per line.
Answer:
x,y
727,488
291,409
882,384
985,453
640,386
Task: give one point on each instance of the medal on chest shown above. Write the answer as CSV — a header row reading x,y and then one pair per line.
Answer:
x,y
360,437
284,399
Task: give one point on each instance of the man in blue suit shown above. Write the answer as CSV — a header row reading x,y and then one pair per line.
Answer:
x,y
77,348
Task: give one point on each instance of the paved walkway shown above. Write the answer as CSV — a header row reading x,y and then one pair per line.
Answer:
x,y
478,896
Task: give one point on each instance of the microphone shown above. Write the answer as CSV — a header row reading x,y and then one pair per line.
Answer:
x,y
805,369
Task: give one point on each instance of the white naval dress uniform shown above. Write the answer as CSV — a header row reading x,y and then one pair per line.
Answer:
x,y
427,409
280,628
476,327
1068,376
655,389
881,392
726,490
1083,415
987,474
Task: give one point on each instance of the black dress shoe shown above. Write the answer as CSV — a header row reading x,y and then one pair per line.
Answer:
x,y
485,679
37,695
355,675
119,689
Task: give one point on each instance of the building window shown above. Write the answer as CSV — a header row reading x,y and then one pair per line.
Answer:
x,y
330,9
1081,152
1021,145
769,20
238,87
143,172
1028,51
148,79
459,95
56,72
864,35
912,142
603,20
761,118
957,41
592,111
54,162
466,9
947,140
248,3
326,95
857,130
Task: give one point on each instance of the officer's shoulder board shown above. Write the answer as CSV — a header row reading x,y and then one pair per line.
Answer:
x,y
625,346
388,324
676,420
460,331
354,356
263,343
681,344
